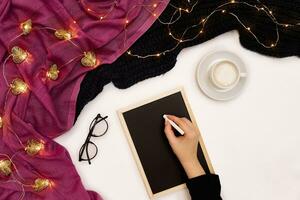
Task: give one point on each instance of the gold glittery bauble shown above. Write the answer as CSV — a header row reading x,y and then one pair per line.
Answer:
x,y
63,34
40,184
53,72
89,59
26,26
18,54
18,86
5,167
1,122
33,147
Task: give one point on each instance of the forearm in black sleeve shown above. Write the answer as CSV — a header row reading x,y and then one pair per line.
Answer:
x,y
206,187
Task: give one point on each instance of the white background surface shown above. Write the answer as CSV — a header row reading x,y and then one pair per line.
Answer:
x,y
253,141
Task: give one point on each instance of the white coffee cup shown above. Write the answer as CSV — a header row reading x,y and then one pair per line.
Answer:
x,y
225,75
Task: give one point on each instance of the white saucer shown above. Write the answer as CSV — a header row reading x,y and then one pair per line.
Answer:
x,y
205,83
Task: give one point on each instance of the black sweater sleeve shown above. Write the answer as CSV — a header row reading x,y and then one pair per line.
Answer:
x,y
206,187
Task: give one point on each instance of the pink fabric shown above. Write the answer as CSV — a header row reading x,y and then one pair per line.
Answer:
x,y
48,109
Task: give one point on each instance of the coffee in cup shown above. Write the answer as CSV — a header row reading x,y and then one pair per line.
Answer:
x,y
225,75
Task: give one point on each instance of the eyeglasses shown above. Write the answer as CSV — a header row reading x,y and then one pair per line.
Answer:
x,y
89,149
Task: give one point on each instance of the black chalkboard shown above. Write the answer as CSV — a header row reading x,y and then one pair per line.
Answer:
x,y
145,125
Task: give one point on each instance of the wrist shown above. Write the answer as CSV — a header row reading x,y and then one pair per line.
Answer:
x,y
193,168
189,161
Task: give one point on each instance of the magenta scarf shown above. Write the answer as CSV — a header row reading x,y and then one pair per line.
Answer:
x,y
32,165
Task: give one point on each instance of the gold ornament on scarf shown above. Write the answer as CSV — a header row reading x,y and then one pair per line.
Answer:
x,y
53,72
18,54
5,167
18,86
33,147
63,34
1,122
40,184
89,59
26,27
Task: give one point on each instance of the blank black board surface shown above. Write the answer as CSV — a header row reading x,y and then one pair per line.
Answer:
x,y
145,125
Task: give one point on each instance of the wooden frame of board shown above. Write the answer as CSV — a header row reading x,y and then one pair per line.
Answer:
x,y
133,149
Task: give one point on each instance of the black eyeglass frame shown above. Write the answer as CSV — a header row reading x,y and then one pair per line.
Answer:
x,y
85,146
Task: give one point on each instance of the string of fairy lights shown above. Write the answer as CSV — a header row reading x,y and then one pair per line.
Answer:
x,y
99,15
18,55
222,9
18,86
33,146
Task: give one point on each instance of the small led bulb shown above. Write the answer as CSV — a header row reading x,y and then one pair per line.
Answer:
x,y
53,72
89,59
1,122
18,54
33,147
63,34
26,26
5,167
40,184
18,86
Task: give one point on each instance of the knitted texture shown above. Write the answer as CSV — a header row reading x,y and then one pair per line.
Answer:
x,y
128,70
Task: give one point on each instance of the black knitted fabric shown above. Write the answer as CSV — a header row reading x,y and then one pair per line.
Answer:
x,y
128,70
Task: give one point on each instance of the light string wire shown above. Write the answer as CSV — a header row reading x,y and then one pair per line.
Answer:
x,y
13,178
223,10
147,6
73,43
94,13
127,21
4,69
171,21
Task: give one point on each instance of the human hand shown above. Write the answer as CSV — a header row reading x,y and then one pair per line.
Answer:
x,y
185,147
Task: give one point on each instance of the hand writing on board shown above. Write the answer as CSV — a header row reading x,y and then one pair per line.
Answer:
x,y
185,147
